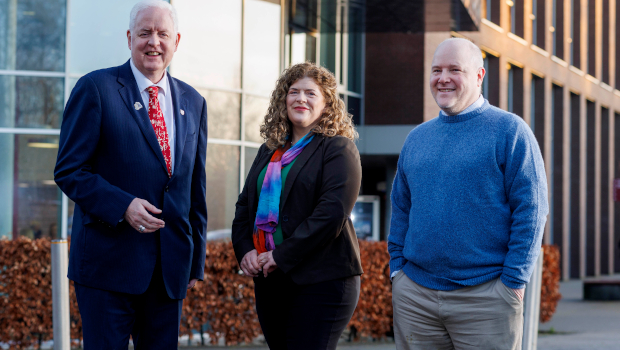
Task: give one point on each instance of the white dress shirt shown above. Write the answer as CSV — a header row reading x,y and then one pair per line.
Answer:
x,y
165,103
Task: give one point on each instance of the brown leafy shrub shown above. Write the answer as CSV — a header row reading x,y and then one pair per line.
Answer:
x,y
373,315
224,301
26,293
550,286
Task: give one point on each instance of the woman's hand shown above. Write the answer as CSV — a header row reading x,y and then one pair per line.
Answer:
x,y
267,262
249,264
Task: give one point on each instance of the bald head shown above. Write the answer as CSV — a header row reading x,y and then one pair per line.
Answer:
x,y
464,46
456,75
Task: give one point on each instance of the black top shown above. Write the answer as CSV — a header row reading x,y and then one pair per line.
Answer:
x,y
315,207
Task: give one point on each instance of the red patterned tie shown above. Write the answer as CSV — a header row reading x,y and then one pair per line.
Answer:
x,y
159,125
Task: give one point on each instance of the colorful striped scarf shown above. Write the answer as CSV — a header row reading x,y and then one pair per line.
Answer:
x,y
268,211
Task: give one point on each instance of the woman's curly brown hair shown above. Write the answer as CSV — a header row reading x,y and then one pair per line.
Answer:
x,y
334,121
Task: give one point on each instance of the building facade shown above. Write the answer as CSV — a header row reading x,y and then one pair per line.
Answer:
x,y
553,62
231,51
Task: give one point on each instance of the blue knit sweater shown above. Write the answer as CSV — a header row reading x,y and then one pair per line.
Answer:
x,y
469,201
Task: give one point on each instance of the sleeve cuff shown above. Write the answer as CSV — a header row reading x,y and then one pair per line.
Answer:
x,y
511,282
397,264
394,274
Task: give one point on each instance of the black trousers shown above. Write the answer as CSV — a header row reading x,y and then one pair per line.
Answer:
x,y
108,318
299,317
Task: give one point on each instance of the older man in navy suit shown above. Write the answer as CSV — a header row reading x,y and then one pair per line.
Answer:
x,y
132,157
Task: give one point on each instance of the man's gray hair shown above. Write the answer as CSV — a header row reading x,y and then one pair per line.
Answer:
x,y
145,4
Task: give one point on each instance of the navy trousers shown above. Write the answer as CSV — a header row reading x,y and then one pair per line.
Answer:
x,y
307,317
108,318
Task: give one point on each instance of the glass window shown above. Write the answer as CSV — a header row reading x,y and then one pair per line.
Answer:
x,y
356,30
250,154
354,106
261,47
70,210
224,114
255,109
222,185
209,53
341,62
99,41
328,34
72,82
303,48
303,14
511,90
30,205
302,39
32,35
31,102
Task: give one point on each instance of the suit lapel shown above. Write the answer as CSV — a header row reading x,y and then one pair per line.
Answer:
x,y
302,158
131,96
180,120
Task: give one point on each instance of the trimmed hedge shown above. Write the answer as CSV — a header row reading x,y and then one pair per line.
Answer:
x,y
225,301
550,286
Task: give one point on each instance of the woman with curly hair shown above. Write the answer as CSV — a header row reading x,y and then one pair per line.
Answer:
x,y
292,230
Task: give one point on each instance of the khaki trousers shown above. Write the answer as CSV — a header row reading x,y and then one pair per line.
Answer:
x,y
484,317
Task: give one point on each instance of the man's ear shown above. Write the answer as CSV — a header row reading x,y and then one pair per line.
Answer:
x,y
129,39
480,75
176,45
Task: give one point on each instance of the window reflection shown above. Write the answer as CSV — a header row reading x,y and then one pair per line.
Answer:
x,y
98,41
302,37
224,114
303,14
261,46
210,50
30,204
222,168
32,35
254,112
328,35
31,102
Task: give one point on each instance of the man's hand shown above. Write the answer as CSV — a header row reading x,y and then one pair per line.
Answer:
x,y
249,264
267,262
192,283
137,214
519,293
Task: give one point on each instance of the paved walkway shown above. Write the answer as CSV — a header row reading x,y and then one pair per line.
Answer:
x,y
581,325
577,325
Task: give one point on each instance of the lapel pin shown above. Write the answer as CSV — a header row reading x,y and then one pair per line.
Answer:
x,y
182,112
137,106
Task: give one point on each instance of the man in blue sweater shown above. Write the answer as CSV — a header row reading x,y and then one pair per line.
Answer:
x,y
469,205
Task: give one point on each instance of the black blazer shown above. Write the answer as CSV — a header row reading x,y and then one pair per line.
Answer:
x,y
315,208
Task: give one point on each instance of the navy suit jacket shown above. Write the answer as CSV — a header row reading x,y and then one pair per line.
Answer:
x,y
108,155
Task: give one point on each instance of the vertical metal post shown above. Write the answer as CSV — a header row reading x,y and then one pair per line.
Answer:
x,y
531,306
60,294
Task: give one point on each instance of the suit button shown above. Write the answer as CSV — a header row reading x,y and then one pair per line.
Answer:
x,y
285,218
166,189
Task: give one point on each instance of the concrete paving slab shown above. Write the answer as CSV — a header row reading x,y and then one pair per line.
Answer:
x,y
581,325
577,325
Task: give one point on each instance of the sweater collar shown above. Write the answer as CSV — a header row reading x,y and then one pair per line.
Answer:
x,y
478,107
